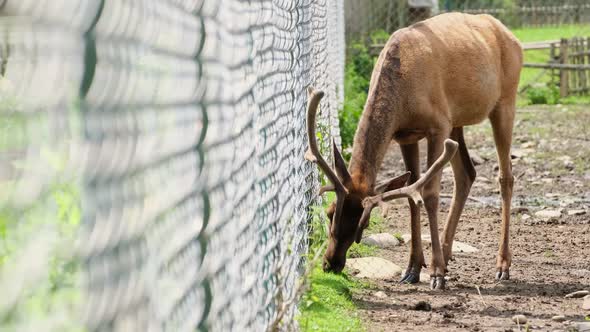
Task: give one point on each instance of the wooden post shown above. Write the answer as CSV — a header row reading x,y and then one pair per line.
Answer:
x,y
563,74
573,59
553,57
586,60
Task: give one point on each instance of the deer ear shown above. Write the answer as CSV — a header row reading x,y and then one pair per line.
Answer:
x,y
393,184
339,164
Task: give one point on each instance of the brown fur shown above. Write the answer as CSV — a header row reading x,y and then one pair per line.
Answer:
x,y
430,80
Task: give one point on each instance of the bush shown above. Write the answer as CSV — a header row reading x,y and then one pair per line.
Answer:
x,y
356,85
543,95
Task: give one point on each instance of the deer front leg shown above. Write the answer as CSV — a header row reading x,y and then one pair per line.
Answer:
x,y
502,119
411,156
464,173
431,201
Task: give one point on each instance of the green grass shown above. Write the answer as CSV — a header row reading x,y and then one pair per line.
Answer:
x,y
376,225
551,33
328,305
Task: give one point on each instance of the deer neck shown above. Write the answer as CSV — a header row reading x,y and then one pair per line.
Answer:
x,y
371,141
379,120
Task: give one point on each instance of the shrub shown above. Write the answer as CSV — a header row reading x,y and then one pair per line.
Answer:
x,y
543,95
356,85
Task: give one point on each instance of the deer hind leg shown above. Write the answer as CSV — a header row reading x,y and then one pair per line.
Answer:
x,y
502,119
464,173
411,156
431,199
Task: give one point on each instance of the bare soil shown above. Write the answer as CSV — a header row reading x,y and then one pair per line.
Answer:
x,y
551,258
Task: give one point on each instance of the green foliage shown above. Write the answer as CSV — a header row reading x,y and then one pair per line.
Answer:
x,y
543,95
53,218
37,238
356,85
379,36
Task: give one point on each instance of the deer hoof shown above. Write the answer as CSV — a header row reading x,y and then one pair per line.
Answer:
x,y
503,275
437,283
411,277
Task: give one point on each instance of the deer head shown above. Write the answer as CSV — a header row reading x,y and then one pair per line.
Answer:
x,y
349,214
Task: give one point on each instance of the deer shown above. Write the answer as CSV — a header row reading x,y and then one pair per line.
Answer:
x,y
430,80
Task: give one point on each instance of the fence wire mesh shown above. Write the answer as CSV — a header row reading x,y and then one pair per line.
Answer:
x,y
152,174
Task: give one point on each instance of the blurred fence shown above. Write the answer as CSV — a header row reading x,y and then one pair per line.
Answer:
x,y
366,16
151,169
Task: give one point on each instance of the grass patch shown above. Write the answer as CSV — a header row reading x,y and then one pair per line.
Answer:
x,y
328,306
376,225
551,33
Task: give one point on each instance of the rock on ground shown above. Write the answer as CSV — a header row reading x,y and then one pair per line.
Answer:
x,y
577,294
558,318
519,319
576,212
381,240
586,303
582,326
380,295
476,159
458,246
373,268
548,214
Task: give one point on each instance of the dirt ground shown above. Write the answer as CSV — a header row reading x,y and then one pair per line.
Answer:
x,y
551,258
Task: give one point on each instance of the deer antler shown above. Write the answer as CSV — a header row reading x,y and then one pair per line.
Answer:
x,y
313,153
412,191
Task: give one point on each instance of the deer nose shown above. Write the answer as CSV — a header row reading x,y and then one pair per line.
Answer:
x,y
335,266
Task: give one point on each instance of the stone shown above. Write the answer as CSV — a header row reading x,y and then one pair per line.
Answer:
x,y
576,295
381,240
525,217
548,214
373,268
463,247
558,318
476,159
519,319
458,247
380,295
519,153
529,144
586,303
582,326
576,212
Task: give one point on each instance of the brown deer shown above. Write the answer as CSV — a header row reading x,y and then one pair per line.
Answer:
x,y
430,80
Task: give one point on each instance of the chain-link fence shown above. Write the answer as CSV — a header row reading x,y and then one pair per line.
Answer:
x,y
152,173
